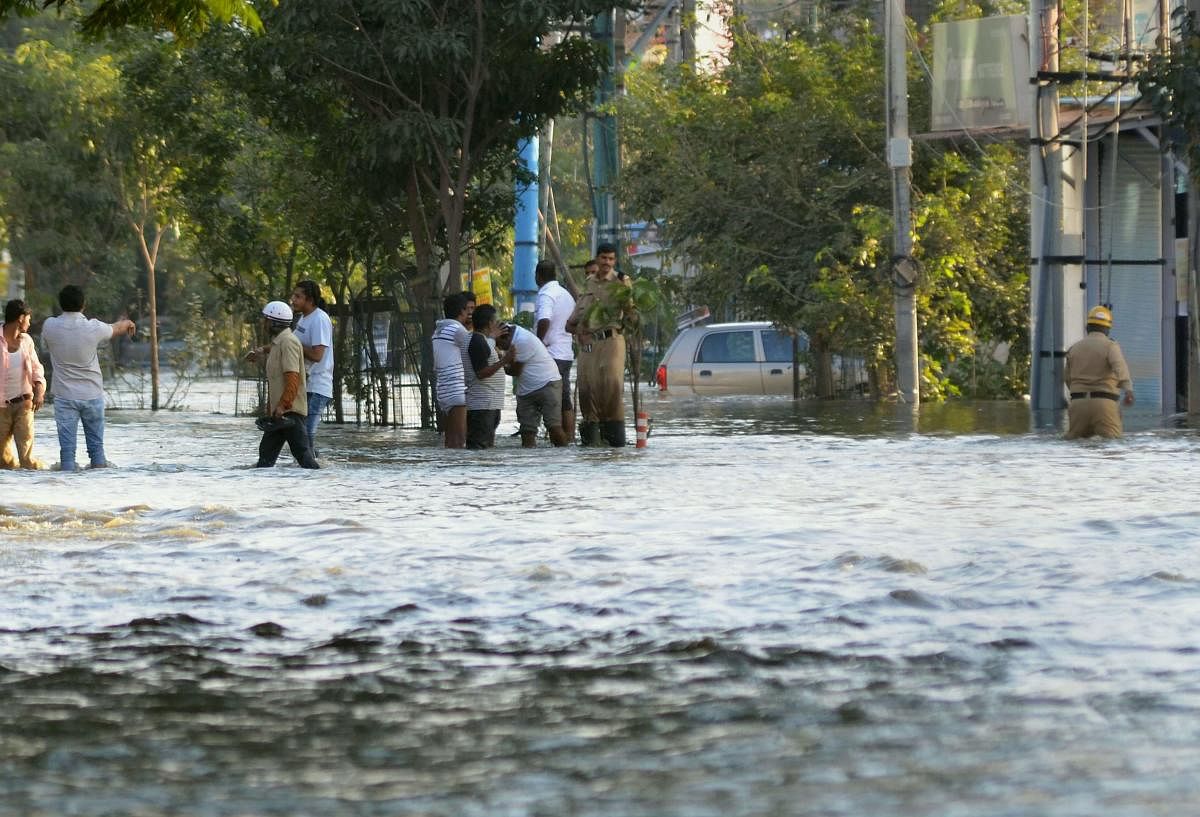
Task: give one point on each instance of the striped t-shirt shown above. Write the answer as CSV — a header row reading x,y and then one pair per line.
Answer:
x,y
450,339
486,394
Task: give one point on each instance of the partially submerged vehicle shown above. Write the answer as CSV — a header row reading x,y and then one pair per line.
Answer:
x,y
747,357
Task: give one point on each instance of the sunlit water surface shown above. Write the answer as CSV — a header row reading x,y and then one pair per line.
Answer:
x,y
771,610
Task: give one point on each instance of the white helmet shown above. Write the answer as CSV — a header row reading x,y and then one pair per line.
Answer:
x,y
278,311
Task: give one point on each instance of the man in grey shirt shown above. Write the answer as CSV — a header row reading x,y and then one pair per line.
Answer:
x,y
76,382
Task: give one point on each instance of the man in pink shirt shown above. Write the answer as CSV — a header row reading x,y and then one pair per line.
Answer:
x,y
22,386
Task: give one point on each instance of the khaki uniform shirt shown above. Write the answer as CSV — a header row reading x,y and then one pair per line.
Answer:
x,y
1096,364
287,355
597,290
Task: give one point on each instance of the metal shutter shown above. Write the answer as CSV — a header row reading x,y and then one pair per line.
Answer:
x,y
1130,230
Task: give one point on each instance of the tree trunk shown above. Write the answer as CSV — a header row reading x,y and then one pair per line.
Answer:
x,y
339,346
796,366
150,259
822,363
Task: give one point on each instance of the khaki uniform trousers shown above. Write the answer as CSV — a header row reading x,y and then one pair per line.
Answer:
x,y
16,423
601,381
1093,417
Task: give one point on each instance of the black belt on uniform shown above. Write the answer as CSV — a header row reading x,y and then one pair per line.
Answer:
x,y
1080,395
605,334
19,399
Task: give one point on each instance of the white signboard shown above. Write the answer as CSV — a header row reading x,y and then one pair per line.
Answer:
x,y
981,74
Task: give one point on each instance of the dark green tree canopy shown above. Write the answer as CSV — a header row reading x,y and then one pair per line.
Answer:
x,y
186,19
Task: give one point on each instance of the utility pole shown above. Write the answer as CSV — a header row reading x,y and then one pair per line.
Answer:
x,y
525,247
1045,219
904,271
687,36
604,136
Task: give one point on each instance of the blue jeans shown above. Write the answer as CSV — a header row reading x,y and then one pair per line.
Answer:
x,y
316,407
67,414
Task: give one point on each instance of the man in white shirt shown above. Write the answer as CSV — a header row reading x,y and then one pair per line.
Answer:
x,y
314,330
76,382
553,307
539,393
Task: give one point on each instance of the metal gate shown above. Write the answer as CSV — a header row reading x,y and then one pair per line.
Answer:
x,y
391,369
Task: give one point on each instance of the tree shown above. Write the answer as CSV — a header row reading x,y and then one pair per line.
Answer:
x,y
1171,83
769,176
186,19
60,219
437,93
157,128
754,172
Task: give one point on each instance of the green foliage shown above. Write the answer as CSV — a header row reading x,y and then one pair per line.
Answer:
x,y
186,19
61,217
754,171
423,103
1171,83
769,178
624,304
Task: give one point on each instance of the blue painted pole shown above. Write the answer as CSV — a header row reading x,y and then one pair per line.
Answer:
x,y
525,249
604,140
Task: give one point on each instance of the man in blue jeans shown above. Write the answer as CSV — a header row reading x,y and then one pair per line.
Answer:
x,y
314,330
76,382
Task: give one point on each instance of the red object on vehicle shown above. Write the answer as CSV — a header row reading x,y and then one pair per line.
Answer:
x,y
661,377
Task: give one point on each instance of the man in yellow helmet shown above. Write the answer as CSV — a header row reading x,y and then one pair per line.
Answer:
x,y
1095,374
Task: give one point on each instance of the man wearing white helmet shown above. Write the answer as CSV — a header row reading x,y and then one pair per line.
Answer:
x,y
286,404
1095,373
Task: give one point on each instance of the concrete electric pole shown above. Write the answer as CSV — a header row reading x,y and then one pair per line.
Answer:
x,y
904,271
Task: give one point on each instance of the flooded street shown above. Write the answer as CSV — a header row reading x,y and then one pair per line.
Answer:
x,y
822,609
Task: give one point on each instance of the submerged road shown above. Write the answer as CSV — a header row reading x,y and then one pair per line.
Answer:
x,y
773,610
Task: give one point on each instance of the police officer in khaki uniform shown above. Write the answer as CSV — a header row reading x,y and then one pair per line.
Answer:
x,y
601,379
1095,374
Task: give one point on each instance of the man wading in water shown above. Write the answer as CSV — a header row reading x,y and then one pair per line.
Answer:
x,y
314,330
22,386
601,378
287,407
1095,373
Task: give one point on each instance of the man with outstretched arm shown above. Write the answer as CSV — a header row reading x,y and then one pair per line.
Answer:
x,y
76,382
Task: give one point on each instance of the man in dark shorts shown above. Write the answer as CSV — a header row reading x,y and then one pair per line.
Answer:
x,y
485,380
553,307
539,392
